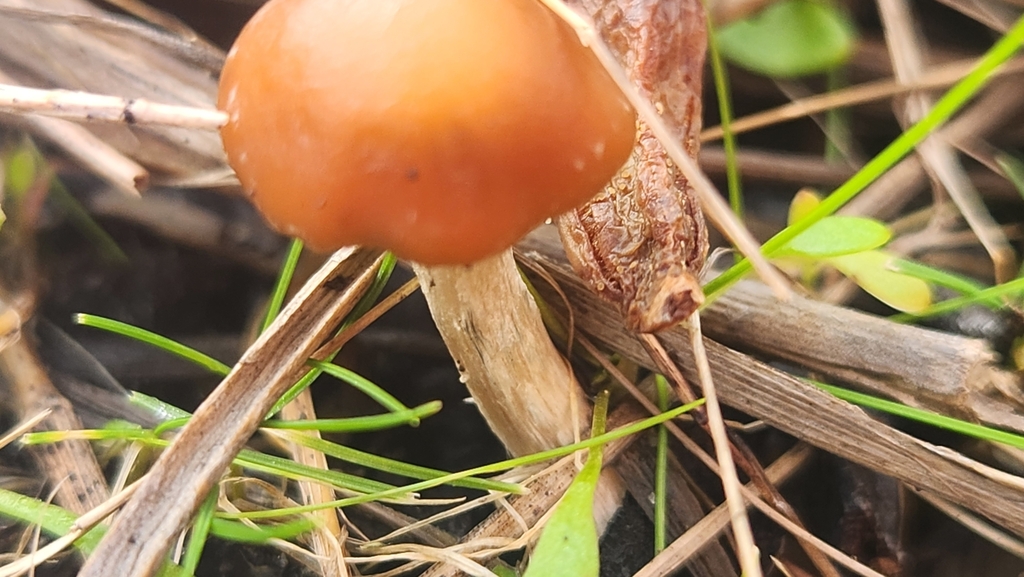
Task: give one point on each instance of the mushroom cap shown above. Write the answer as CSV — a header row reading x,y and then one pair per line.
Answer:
x,y
443,130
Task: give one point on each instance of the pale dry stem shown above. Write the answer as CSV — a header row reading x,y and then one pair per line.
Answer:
x,y
100,107
748,554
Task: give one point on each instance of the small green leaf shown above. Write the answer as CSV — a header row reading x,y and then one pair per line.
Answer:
x,y
871,270
568,546
789,38
836,236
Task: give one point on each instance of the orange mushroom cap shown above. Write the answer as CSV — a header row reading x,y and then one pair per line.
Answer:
x,y
443,130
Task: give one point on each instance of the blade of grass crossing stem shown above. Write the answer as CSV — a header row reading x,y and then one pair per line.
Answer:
x,y
568,545
498,467
284,280
922,416
387,267
200,532
944,108
661,469
365,303
150,338
722,89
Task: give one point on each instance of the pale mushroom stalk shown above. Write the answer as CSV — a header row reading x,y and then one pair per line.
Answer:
x,y
520,382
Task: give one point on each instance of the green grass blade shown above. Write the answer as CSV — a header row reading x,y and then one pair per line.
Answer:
x,y
284,280
365,304
382,397
153,339
53,520
242,533
960,284
724,93
946,106
410,417
1011,288
922,416
154,406
200,532
378,463
387,267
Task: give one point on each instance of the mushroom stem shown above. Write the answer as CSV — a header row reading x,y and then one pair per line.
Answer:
x,y
522,385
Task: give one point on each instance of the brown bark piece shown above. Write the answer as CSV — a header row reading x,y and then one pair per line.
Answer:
x,y
641,242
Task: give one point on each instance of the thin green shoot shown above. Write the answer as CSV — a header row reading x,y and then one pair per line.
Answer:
x,y
958,283
376,462
29,167
382,397
724,92
410,417
242,533
492,468
568,546
171,425
161,342
944,108
922,416
376,393
284,280
986,296
661,471
200,532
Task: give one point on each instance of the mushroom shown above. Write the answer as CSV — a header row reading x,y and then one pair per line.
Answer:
x,y
443,130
